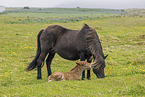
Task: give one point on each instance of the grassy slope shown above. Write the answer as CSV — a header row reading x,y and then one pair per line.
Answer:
x,y
122,38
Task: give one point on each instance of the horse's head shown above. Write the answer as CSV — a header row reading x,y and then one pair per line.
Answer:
x,y
98,67
93,44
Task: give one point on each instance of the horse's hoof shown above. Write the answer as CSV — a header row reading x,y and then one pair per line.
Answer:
x,y
83,78
89,78
39,77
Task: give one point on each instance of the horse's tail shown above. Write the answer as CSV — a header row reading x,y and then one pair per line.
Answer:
x,y
33,64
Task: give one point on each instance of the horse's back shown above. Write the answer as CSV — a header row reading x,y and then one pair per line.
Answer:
x,y
68,43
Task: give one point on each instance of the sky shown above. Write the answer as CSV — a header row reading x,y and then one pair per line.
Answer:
x,y
110,4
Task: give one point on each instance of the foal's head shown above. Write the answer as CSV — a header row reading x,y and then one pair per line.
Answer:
x,y
84,64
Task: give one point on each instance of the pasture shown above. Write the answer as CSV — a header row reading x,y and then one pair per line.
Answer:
x,y
122,35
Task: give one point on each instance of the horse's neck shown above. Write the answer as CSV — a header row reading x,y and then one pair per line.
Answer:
x,y
78,70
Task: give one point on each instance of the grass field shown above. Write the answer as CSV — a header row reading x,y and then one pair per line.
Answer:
x,y
122,37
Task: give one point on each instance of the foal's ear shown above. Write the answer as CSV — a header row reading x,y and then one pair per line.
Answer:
x,y
78,62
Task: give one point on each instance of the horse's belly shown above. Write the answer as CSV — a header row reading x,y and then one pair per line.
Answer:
x,y
68,55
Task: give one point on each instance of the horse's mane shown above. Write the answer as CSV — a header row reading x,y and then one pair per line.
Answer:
x,y
94,45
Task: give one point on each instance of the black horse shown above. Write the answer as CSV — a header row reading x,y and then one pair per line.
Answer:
x,y
69,44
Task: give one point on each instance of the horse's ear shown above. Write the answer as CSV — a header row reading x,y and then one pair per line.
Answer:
x,y
86,26
106,56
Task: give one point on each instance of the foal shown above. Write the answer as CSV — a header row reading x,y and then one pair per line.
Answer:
x,y
73,74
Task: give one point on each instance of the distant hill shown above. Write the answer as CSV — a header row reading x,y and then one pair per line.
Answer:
x,y
2,8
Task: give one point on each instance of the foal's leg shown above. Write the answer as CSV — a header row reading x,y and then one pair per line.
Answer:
x,y
88,71
48,62
82,58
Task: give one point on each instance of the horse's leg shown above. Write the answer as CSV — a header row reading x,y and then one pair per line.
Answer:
x,y
39,72
82,58
88,71
48,62
39,64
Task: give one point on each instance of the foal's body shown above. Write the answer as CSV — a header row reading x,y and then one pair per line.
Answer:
x,y
74,74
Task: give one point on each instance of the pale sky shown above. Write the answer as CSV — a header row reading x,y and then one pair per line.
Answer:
x,y
112,4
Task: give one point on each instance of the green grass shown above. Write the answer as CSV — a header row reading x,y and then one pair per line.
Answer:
x,y
123,38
